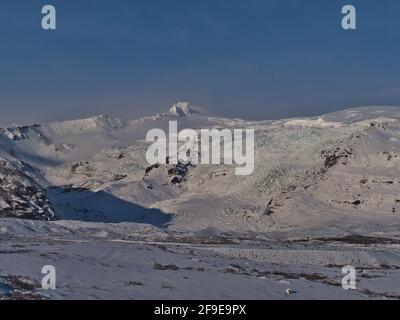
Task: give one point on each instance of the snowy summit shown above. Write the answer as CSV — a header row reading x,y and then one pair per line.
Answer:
x,y
183,109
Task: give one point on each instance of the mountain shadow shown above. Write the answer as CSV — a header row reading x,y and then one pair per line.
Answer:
x,y
89,206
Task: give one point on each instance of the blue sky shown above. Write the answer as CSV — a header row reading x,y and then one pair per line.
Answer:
x,y
254,59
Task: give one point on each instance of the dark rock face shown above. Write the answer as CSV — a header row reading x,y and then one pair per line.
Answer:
x,y
151,168
332,158
20,196
179,172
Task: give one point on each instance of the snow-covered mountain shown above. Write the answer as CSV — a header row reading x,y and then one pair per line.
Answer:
x,y
308,171
325,193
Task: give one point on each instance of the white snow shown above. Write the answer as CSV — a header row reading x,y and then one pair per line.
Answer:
x,y
317,181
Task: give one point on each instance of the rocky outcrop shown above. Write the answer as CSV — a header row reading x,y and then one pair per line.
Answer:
x,y
20,196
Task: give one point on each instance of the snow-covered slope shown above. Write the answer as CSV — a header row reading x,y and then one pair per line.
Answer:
x,y
308,171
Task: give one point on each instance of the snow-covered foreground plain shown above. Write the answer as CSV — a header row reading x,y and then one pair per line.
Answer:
x,y
325,193
95,261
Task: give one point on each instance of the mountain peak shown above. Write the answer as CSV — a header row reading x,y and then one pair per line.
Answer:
x,y
183,109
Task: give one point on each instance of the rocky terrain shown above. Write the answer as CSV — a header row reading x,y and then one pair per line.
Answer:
x,y
20,195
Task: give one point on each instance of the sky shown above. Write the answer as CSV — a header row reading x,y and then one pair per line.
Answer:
x,y
252,59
